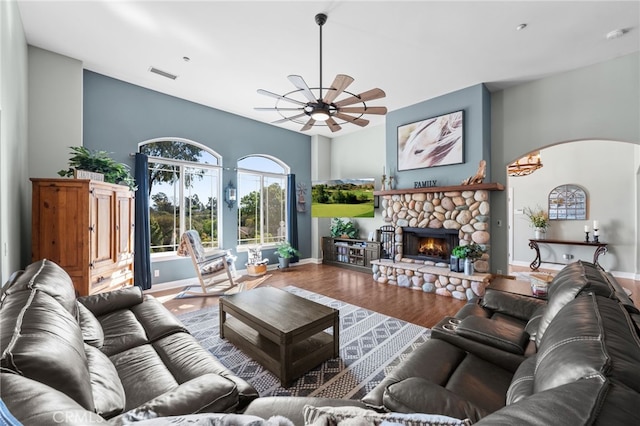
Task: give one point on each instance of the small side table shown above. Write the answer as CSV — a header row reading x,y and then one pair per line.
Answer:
x,y
601,248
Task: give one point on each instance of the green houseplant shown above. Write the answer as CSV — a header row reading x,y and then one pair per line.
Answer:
x,y
463,256
344,228
98,162
285,252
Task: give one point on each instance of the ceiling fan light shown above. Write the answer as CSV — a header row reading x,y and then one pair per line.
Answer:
x,y
320,115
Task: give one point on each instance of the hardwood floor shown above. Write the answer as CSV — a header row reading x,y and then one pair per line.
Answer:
x,y
356,288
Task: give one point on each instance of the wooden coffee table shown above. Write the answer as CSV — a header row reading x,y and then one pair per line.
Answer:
x,y
281,331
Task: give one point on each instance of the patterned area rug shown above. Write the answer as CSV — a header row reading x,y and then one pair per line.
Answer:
x,y
371,345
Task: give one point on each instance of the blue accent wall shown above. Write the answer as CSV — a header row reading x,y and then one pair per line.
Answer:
x,y
475,101
119,115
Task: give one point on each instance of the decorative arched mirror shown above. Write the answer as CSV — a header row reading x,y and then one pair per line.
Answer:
x,y
567,202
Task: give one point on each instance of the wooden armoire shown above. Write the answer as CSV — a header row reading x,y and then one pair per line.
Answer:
x,y
86,227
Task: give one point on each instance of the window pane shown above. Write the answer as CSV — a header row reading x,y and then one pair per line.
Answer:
x,y
179,150
164,206
261,164
249,188
201,201
274,210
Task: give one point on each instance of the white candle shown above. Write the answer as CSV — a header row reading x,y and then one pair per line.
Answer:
x,y
595,233
586,228
384,170
595,224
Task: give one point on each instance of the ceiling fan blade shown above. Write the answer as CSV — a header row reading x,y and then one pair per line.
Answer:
x,y
309,125
369,95
359,121
333,126
365,110
284,98
300,84
277,109
340,83
283,120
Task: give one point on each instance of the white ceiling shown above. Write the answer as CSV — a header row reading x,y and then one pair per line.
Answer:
x,y
413,50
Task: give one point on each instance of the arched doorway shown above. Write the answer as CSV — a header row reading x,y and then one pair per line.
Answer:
x,y
609,172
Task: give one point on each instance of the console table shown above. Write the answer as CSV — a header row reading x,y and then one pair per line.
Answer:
x,y
601,248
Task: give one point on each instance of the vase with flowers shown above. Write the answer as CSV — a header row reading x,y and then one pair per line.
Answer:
x,y
539,221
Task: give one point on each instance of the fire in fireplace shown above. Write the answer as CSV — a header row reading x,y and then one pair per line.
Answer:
x,y
428,243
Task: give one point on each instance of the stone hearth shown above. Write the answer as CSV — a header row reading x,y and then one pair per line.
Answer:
x,y
462,208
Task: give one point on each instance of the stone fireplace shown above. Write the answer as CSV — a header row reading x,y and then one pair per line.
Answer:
x,y
428,223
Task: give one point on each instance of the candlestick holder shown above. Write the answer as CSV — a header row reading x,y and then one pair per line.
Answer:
x,y
383,182
586,236
391,181
595,236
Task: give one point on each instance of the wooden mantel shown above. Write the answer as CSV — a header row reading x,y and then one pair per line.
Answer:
x,y
492,186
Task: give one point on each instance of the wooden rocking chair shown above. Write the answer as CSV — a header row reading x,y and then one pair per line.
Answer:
x,y
212,269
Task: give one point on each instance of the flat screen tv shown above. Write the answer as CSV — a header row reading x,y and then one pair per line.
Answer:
x,y
342,198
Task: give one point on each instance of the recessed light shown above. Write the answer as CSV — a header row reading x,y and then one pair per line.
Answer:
x,y
186,58
616,33
521,27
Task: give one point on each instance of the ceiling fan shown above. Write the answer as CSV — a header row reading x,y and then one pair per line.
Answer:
x,y
323,111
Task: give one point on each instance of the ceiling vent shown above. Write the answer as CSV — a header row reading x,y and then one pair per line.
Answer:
x,y
163,73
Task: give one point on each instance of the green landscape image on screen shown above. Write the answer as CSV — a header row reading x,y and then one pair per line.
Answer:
x,y
342,198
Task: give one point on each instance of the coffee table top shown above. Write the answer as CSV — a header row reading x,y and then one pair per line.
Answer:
x,y
277,308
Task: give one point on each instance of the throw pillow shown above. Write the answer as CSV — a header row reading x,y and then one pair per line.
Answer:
x,y
352,416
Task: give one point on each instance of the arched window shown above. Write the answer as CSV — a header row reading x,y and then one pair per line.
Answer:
x,y
262,186
184,189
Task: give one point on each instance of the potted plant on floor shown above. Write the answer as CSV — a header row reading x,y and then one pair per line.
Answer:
x,y
285,252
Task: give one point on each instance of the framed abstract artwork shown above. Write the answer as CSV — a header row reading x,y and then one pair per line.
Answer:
x,y
436,141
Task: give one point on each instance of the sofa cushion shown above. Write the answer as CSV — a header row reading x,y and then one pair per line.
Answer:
x,y
110,301
92,333
108,393
157,321
330,416
572,347
417,395
41,340
522,382
207,393
48,277
186,359
566,285
122,331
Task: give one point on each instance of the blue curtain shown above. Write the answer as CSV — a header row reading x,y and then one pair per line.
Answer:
x,y
142,244
292,212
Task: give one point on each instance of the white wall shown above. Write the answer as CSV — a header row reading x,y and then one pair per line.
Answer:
x,y
55,111
607,172
14,182
360,155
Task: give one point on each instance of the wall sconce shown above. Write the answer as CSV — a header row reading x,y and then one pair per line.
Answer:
x,y
230,196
